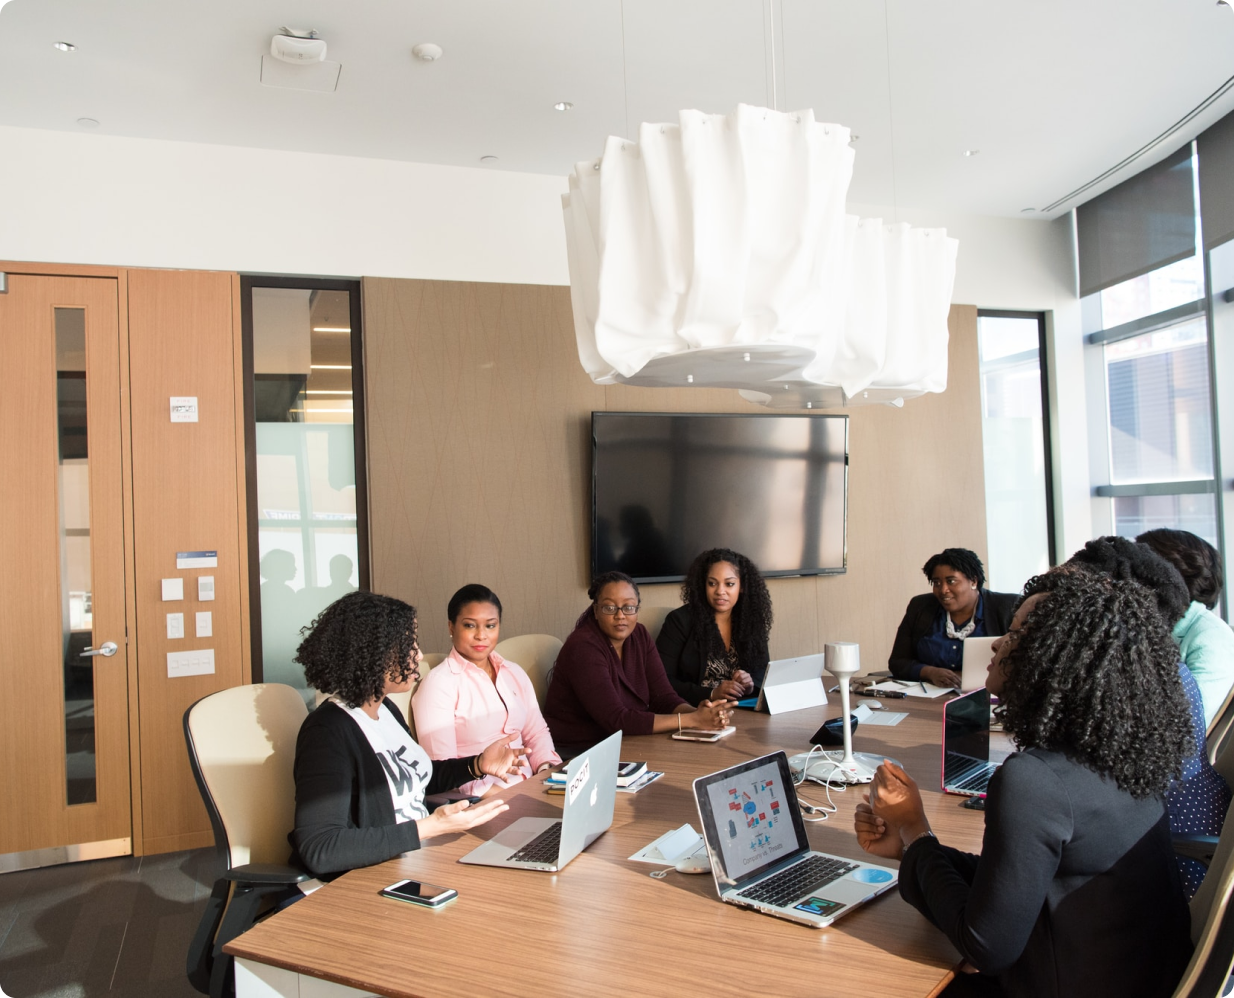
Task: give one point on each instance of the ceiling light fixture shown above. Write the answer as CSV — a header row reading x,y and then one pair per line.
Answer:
x,y
64,46
1027,211
332,329
427,52
88,122
563,105
298,45
488,159
971,152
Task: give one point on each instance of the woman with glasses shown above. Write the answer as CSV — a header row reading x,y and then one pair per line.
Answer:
x,y
929,644
715,646
609,677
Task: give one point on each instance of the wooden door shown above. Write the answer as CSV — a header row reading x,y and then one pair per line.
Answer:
x,y
64,736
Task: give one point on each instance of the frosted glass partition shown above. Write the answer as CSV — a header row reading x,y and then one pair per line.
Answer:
x,y
1013,446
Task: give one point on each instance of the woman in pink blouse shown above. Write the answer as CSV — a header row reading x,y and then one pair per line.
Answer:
x,y
475,696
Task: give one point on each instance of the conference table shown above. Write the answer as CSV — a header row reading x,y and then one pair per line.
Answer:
x,y
603,926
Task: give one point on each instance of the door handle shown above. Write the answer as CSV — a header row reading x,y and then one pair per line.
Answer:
x,y
107,650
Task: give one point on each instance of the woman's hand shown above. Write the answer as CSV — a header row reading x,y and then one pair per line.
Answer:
x,y
728,689
499,759
940,677
745,679
873,833
896,799
458,817
711,715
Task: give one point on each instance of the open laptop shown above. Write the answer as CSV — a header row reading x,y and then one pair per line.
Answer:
x,y
790,684
550,843
760,857
977,655
966,744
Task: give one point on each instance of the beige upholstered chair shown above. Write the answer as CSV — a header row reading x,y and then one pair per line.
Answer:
x,y
652,618
242,746
1212,914
536,653
432,660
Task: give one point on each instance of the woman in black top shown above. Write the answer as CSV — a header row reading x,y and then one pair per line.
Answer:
x,y
715,647
360,777
1076,890
929,643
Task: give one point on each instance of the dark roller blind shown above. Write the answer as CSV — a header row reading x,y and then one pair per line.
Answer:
x,y
1216,155
1142,224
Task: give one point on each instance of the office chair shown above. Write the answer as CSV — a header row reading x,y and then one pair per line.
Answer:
x,y
652,618
1212,915
536,653
242,744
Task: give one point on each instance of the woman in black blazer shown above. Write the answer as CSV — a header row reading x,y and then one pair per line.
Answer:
x,y
929,644
715,647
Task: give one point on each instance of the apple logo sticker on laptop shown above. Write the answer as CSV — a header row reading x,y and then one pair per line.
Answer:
x,y
595,792
870,875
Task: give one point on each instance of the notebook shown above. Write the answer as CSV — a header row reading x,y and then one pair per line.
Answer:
x,y
977,655
966,744
550,843
760,856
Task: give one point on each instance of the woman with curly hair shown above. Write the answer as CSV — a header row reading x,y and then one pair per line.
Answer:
x,y
609,677
1077,849
929,643
1205,641
360,777
715,646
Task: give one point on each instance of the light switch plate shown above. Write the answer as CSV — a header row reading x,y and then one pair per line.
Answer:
x,y
190,663
205,588
205,624
175,626
173,589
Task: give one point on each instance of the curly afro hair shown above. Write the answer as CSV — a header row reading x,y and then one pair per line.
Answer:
x,y
356,644
962,560
1094,675
752,614
1197,561
1124,559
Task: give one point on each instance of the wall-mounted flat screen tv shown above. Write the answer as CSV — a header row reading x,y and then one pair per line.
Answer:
x,y
666,486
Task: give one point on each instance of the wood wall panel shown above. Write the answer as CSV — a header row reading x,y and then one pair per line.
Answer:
x,y
186,497
479,468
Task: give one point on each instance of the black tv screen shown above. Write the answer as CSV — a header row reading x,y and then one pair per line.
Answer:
x,y
666,486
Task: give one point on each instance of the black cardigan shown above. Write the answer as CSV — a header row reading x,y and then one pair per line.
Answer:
x,y
1076,890
344,814
685,662
997,609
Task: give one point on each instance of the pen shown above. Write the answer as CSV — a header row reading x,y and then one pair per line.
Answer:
x,y
922,685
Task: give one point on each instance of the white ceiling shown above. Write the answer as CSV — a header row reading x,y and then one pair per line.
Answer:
x,y
1052,92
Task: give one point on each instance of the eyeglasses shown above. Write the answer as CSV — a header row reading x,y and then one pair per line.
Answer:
x,y
608,609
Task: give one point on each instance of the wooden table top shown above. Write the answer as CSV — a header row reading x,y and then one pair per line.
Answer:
x,y
602,926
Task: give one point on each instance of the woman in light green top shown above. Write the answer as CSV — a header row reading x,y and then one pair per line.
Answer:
x,y
1205,641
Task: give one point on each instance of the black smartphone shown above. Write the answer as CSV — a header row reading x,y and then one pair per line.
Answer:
x,y
418,892
974,804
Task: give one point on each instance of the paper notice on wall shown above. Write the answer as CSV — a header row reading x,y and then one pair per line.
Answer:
x,y
184,408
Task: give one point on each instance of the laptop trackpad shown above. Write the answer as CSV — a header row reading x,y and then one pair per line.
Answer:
x,y
519,833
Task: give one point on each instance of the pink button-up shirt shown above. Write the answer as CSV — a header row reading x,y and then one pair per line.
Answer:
x,y
459,712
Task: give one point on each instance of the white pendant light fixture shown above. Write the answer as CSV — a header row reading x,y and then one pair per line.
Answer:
x,y
716,252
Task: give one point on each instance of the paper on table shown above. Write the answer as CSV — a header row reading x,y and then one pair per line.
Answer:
x,y
886,718
927,691
676,844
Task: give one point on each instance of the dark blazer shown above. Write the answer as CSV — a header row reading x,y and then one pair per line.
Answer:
x,y
685,662
1076,890
997,609
594,693
344,814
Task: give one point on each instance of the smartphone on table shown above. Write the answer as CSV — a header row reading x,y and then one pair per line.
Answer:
x,y
418,892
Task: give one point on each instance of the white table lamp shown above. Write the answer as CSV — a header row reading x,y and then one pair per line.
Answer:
x,y
843,660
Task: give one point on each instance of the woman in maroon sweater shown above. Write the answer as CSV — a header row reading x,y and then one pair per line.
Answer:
x,y
609,677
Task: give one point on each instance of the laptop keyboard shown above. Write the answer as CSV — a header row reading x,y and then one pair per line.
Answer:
x,y
542,849
973,779
806,877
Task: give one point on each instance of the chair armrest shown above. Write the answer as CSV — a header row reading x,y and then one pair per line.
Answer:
x,y
266,873
1198,847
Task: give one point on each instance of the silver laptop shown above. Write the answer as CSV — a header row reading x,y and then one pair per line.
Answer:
x,y
966,744
760,857
791,684
977,655
550,843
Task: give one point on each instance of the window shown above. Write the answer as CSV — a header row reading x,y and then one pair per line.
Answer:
x,y
307,530
1015,444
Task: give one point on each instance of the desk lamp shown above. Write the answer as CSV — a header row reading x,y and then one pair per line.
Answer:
x,y
843,660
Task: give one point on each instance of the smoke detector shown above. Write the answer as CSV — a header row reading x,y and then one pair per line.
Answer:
x,y
298,46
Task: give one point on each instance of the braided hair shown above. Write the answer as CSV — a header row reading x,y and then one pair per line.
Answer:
x,y
1094,675
1197,561
356,644
751,614
1121,558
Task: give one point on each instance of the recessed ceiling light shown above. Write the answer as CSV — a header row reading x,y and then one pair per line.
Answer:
x,y
88,122
426,52
563,105
971,152
488,159
64,46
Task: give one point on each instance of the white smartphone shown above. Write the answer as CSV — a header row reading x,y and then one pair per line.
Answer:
x,y
418,892
703,734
